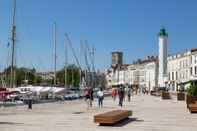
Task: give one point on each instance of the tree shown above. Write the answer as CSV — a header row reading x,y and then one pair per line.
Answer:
x,y
22,76
73,76
192,90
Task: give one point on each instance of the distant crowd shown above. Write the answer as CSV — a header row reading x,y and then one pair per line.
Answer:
x,y
122,92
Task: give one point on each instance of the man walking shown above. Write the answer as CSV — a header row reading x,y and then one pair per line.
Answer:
x,y
129,94
121,94
91,92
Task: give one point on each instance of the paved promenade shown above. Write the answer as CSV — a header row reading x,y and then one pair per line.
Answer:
x,y
149,114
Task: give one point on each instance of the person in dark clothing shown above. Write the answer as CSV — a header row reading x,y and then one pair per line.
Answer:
x,y
129,94
121,93
87,97
29,102
91,96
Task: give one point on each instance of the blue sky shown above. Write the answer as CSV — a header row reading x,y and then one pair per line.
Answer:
x,y
130,26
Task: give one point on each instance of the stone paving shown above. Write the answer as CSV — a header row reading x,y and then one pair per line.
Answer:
x,y
149,114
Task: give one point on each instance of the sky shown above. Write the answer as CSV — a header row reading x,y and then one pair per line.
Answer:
x,y
130,26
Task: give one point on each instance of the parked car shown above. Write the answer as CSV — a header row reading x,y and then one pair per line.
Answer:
x,y
72,95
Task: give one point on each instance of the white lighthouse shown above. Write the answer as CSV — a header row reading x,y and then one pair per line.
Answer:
x,y
163,54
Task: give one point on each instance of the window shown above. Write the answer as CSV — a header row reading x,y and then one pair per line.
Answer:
x,y
183,63
176,75
191,71
172,75
195,59
186,63
183,75
180,64
186,75
195,70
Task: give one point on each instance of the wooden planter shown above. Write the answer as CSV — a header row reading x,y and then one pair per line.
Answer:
x,y
193,107
190,100
165,95
153,93
180,96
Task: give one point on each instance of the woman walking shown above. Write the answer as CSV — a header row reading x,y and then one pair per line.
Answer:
x,y
100,96
114,93
88,97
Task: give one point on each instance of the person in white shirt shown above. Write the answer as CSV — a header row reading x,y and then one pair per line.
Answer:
x,y
100,96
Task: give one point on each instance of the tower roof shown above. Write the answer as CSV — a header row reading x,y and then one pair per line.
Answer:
x,y
163,32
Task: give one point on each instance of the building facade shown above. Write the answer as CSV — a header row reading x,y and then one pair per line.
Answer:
x,y
143,73
174,72
182,69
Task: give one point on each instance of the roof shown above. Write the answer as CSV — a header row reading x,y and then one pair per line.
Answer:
x,y
147,60
117,52
194,50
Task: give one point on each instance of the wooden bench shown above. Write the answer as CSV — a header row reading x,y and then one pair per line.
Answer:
x,y
193,107
112,117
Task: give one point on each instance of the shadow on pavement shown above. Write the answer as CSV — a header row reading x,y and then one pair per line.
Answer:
x,y
79,112
123,122
10,123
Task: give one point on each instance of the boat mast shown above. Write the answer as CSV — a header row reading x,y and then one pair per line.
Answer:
x,y
13,45
92,55
55,56
66,63
75,57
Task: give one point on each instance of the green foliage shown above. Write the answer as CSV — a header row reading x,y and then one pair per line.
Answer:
x,y
72,76
22,75
29,76
192,90
37,80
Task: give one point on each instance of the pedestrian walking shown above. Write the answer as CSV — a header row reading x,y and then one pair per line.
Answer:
x,y
121,93
114,93
87,97
91,92
100,96
29,102
125,90
129,94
